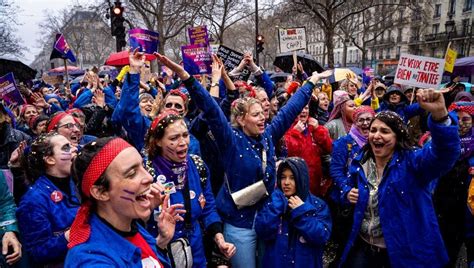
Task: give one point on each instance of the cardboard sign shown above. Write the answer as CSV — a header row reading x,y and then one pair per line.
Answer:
x,y
418,71
292,39
232,59
145,40
9,91
197,59
198,35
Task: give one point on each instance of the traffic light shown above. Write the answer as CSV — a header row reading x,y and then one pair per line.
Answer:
x,y
260,42
117,19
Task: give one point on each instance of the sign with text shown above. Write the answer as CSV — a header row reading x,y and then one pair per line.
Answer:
x,y
144,40
198,35
419,71
450,59
292,39
232,59
197,59
9,91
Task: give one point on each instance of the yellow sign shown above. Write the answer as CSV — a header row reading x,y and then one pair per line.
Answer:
x,y
450,59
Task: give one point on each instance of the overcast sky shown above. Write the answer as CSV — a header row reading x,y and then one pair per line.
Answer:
x,y
31,14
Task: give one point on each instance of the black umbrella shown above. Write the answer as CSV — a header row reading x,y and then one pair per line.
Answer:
x,y
284,61
279,77
22,72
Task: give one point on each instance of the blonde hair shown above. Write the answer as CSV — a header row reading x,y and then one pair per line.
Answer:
x,y
240,107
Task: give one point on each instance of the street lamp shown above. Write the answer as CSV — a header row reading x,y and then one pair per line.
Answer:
x,y
449,26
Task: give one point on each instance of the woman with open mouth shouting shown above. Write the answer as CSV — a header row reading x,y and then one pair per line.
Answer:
x,y
248,156
185,175
393,204
47,210
117,196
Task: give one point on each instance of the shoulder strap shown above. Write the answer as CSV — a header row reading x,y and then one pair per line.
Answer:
x,y
187,206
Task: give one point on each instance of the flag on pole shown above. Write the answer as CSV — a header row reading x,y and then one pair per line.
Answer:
x,y
450,59
61,49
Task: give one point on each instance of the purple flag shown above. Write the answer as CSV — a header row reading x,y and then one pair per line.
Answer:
x,y
8,90
62,47
144,40
197,59
198,35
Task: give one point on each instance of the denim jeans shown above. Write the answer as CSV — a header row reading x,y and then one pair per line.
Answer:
x,y
245,241
363,255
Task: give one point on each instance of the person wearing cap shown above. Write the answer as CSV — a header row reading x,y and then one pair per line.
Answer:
x,y
450,193
46,211
247,141
340,120
117,194
294,223
37,125
394,222
394,100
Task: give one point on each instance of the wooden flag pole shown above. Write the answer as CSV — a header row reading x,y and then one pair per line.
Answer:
x,y
67,76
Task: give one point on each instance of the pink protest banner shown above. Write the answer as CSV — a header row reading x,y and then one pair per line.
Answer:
x,y
419,71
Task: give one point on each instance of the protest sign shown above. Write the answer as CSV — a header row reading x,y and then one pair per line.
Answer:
x,y
145,40
9,91
450,59
292,39
418,71
198,35
232,59
61,49
197,59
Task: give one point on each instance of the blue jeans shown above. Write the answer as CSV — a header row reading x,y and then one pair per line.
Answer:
x,y
245,241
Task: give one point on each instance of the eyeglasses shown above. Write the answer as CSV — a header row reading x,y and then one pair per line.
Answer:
x,y
70,125
170,105
465,119
364,120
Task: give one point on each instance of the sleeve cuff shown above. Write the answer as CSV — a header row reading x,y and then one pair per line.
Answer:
x,y
188,83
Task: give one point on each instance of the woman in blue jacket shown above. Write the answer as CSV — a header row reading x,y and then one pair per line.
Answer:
x,y
248,154
167,145
394,220
294,223
47,210
117,195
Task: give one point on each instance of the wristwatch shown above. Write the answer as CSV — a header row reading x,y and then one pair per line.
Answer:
x,y
214,84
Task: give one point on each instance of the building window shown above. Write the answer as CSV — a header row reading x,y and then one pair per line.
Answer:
x,y
452,7
437,13
465,27
435,28
398,52
399,36
467,5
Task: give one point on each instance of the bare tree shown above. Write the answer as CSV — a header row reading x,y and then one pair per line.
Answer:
x,y
10,44
330,14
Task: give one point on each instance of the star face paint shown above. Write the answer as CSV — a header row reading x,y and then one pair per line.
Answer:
x,y
175,142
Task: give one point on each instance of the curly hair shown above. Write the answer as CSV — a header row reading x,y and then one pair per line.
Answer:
x,y
157,131
240,107
40,148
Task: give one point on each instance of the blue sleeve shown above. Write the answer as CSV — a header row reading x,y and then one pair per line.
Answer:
x,y
53,109
338,170
265,81
74,88
313,221
285,117
39,240
194,146
438,156
413,110
212,113
222,89
268,218
227,102
127,112
84,98
110,98
209,213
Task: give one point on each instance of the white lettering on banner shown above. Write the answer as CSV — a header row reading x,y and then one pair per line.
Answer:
x,y
292,39
419,71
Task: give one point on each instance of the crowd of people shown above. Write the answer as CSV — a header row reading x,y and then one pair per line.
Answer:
x,y
195,171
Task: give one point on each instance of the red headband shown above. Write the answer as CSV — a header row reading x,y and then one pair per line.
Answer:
x,y
467,107
80,228
179,93
55,120
23,109
362,109
162,116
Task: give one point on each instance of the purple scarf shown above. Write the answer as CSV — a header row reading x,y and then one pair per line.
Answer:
x,y
175,172
357,136
467,145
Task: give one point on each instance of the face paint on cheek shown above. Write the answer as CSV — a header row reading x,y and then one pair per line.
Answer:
x,y
127,198
170,150
129,192
65,156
